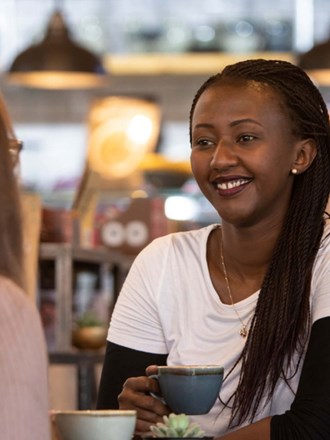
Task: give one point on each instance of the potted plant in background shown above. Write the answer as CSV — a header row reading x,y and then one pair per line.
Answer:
x,y
177,426
89,332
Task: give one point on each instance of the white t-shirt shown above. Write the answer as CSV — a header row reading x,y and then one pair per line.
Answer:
x,y
168,305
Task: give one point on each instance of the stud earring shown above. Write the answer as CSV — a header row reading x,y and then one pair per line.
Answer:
x,y
294,171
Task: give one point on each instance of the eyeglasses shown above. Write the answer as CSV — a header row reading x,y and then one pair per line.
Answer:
x,y
15,146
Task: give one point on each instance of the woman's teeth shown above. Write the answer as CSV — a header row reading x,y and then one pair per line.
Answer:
x,y
231,184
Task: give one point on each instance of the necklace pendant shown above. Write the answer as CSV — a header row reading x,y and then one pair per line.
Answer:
x,y
243,332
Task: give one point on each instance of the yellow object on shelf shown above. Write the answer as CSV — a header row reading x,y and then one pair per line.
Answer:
x,y
182,63
163,172
156,161
121,131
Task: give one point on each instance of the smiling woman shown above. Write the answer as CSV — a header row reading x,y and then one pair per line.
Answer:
x,y
253,293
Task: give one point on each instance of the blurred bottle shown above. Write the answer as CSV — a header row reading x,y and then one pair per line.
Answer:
x,y
85,290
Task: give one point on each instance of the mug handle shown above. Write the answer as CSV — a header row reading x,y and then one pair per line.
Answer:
x,y
157,396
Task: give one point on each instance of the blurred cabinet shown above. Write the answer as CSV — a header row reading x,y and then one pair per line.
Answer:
x,y
58,267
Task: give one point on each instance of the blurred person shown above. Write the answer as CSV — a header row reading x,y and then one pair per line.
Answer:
x,y
23,364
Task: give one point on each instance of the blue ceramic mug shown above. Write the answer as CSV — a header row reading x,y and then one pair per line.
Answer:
x,y
189,389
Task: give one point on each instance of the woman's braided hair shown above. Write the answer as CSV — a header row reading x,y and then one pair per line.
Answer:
x,y
281,323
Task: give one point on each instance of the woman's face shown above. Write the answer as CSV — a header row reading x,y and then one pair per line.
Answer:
x,y
242,152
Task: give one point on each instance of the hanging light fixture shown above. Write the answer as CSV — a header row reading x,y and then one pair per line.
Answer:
x,y
316,62
57,62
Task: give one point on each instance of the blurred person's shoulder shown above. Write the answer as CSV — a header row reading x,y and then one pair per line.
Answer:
x,y
13,300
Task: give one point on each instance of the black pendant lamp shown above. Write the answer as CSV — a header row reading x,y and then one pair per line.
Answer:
x,y
57,62
316,62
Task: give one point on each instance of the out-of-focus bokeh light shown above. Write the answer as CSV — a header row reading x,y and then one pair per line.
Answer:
x,y
180,208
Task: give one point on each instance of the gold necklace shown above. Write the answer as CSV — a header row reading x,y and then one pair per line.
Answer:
x,y
244,330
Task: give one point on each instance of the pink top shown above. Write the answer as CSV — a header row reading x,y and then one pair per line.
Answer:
x,y
23,368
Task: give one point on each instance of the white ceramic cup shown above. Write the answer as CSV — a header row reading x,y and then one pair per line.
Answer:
x,y
94,424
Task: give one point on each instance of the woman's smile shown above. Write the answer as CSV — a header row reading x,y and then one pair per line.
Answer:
x,y
231,185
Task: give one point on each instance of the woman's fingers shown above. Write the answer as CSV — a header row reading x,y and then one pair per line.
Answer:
x,y
135,395
152,369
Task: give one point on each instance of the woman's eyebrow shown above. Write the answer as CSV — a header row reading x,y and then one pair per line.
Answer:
x,y
203,125
231,124
243,121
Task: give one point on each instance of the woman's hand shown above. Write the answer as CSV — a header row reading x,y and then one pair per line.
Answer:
x,y
135,395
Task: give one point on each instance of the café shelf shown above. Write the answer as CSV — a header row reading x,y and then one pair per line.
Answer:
x,y
58,265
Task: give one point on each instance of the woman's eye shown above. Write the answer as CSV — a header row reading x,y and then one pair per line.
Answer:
x,y
246,138
203,143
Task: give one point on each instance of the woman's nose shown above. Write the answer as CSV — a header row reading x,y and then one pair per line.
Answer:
x,y
223,155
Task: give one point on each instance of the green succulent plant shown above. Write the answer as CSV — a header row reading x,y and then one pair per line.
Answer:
x,y
89,319
177,426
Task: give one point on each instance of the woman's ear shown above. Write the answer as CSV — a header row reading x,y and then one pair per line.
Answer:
x,y
306,151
